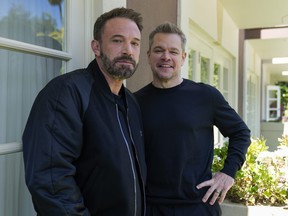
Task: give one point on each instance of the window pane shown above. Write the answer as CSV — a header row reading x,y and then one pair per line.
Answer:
x,y
22,76
251,105
225,79
225,82
33,21
14,196
216,76
191,64
205,62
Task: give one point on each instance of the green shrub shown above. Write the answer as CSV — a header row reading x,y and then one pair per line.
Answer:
x,y
263,179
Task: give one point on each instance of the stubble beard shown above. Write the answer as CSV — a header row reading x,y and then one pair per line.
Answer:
x,y
118,72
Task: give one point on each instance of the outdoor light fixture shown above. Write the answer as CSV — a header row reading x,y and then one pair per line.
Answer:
x,y
280,60
281,32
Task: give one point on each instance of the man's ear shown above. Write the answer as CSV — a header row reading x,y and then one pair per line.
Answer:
x,y
95,45
148,53
148,56
184,54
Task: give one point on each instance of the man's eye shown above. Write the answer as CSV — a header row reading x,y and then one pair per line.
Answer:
x,y
157,51
135,44
174,53
117,41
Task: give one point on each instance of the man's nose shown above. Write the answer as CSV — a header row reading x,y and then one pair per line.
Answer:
x,y
166,55
127,49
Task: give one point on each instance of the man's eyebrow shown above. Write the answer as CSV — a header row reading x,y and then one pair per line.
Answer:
x,y
158,47
122,36
172,48
117,35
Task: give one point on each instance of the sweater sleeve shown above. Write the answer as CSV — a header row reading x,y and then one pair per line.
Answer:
x,y
232,126
52,141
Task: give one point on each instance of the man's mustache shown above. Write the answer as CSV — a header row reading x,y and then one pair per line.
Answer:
x,y
126,58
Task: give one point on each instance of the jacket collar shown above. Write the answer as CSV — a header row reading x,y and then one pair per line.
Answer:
x,y
101,83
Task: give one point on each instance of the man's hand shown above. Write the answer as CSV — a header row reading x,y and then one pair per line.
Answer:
x,y
219,186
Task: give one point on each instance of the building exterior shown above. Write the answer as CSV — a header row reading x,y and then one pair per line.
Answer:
x,y
40,40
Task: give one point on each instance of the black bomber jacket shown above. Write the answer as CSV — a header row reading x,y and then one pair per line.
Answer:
x,y
75,156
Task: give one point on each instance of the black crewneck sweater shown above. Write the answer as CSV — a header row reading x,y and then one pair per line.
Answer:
x,y
179,141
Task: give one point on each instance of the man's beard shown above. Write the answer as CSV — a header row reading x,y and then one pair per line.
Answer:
x,y
118,72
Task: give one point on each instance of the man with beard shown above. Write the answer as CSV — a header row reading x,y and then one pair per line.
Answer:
x,y
83,144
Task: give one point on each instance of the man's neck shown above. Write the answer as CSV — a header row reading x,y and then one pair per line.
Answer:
x,y
166,83
114,84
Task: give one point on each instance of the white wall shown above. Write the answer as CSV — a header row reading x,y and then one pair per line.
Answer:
x,y
230,35
212,19
204,13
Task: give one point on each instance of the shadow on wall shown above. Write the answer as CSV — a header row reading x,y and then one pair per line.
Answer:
x,y
272,131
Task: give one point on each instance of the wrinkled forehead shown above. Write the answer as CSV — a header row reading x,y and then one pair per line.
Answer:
x,y
121,26
167,40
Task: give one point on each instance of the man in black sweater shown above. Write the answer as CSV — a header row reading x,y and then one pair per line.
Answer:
x,y
179,116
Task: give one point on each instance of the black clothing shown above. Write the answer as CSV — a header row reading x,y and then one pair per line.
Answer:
x,y
179,141
77,158
199,209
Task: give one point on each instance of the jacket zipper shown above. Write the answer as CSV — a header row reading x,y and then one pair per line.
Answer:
x,y
131,161
137,160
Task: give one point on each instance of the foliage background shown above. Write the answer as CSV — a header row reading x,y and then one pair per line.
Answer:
x,y
263,179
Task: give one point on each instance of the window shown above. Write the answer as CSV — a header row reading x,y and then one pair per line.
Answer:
x,y
216,76
34,22
225,83
32,52
31,25
191,64
205,69
253,103
273,109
